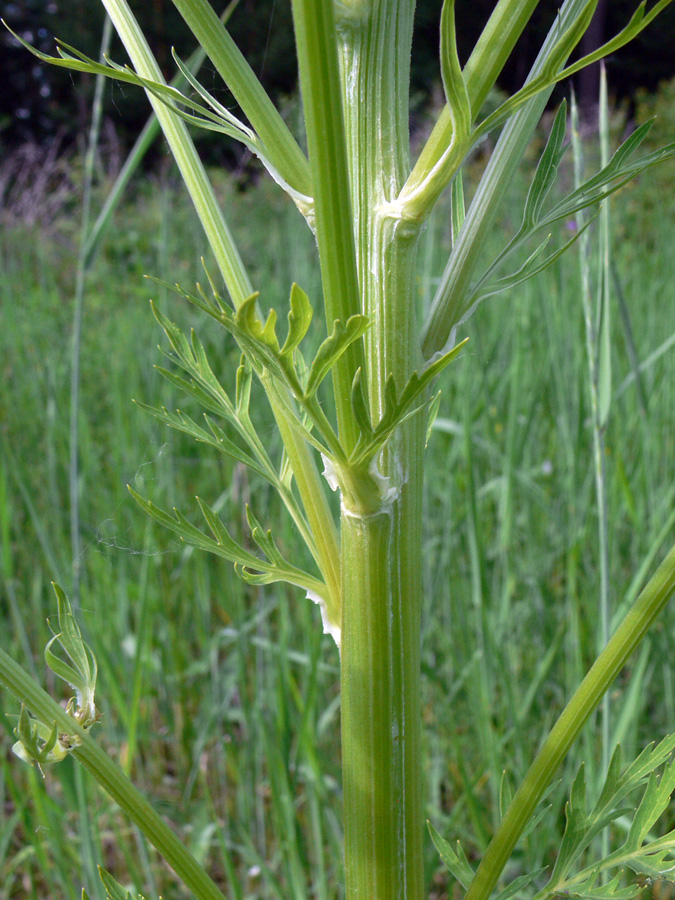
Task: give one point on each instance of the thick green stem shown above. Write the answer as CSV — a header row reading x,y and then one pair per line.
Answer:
x,y
381,754
381,551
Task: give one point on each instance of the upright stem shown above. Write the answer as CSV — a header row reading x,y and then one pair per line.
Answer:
x,y
78,308
381,549
320,81
597,352
381,760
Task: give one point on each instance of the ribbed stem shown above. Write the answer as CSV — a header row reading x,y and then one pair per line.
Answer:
x,y
380,708
381,590
381,552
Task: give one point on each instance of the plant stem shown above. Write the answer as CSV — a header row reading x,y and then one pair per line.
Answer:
x,y
78,308
380,658
320,81
381,552
380,709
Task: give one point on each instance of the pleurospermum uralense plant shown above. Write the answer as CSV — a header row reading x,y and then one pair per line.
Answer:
x,y
367,207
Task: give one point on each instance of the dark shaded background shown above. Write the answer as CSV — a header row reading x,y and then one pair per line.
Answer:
x,y
39,103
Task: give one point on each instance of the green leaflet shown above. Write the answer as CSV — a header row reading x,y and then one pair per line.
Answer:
x,y
251,568
547,170
330,351
299,319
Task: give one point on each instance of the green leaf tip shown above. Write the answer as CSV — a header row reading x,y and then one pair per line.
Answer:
x,y
299,319
454,85
343,335
113,889
455,859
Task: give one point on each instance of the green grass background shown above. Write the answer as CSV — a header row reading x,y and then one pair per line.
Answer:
x,y
220,699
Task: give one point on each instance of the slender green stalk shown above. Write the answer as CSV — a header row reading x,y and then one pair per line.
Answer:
x,y
597,349
78,306
111,779
447,310
488,58
236,279
141,146
316,42
607,666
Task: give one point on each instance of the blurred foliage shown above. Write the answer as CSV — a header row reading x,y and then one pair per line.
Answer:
x,y
642,205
